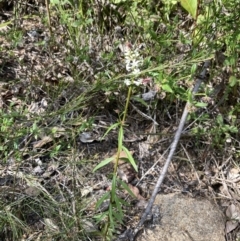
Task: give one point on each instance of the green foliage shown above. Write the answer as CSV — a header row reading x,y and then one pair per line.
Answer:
x,y
222,131
103,163
130,158
89,38
191,6
114,214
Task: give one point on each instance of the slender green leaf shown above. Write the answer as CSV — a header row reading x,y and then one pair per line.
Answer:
x,y
100,217
125,186
113,191
130,158
190,6
110,128
118,214
189,96
138,99
124,202
103,163
101,200
118,217
120,138
110,211
119,207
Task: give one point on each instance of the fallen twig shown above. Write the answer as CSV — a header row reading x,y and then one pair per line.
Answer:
x,y
171,152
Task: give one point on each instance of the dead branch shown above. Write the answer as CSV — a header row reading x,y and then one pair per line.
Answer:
x,y
173,147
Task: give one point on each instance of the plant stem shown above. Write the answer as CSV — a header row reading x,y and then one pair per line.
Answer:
x,y
120,139
49,17
121,127
127,104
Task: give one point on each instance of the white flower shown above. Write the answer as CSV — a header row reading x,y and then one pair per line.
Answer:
x,y
132,65
136,71
133,61
127,82
137,82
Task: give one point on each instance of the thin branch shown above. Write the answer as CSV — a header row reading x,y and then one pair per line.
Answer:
x,y
172,150
49,17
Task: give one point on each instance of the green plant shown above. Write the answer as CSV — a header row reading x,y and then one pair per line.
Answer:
x,y
83,39
74,21
114,215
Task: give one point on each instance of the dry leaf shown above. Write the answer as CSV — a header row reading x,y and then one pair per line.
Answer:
x,y
231,225
89,226
37,170
86,137
125,170
122,175
149,95
136,192
85,191
233,213
233,173
58,131
50,226
142,204
32,191
53,166
45,140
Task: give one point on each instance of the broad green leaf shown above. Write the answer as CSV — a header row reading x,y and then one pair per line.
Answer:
x,y
167,88
232,81
59,2
201,104
193,69
3,25
233,129
130,158
103,163
220,119
190,6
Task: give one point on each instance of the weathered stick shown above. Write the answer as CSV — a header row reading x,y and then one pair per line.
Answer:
x,y
172,150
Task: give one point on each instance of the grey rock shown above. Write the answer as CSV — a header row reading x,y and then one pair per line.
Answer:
x,y
186,219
